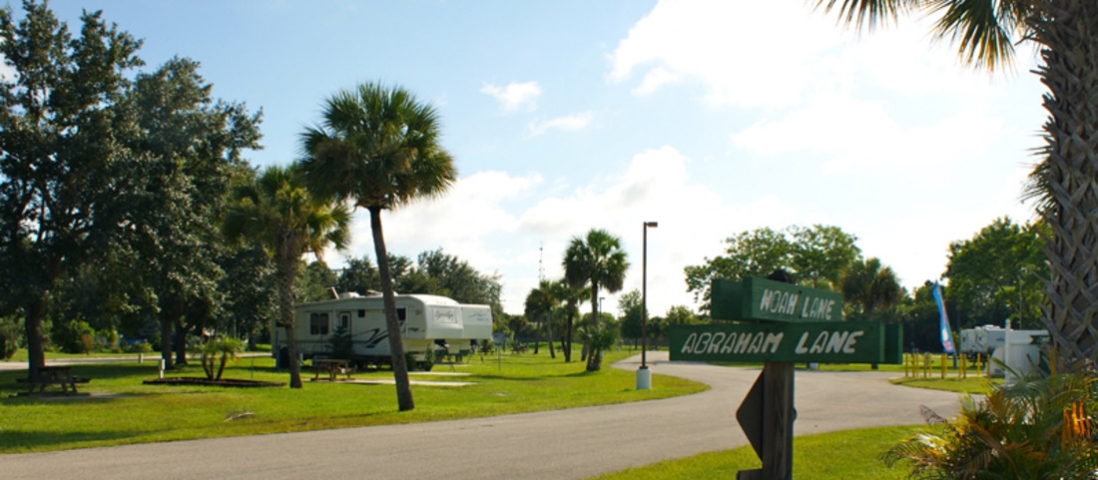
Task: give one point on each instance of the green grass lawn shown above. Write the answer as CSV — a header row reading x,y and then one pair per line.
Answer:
x,y
975,385
849,455
139,413
21,355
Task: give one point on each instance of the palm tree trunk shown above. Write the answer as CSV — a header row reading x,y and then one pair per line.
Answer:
x,y
286,270
1069,66
568,338
549,328
592,354
396,339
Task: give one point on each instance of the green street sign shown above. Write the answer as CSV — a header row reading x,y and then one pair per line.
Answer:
x,y
766,300
826,342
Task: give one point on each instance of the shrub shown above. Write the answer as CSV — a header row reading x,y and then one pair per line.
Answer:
x,y
138,347
11,335
75,337
342,344
226,347
1037,428
487,346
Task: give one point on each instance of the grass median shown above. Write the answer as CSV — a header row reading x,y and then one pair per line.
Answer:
x,y
850,455
124,411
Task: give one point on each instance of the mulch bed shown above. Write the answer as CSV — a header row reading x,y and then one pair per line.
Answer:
x,y
224,382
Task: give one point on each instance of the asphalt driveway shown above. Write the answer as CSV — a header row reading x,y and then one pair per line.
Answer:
x,y
567,444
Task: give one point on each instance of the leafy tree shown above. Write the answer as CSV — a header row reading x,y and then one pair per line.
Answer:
x,y
315,283
359,276
821,253
997,273
58,177
539,305
379,148
596,260
516,323
571,297
755,253
196,145
676,315
276,211
630,305
868,287
455,278
816,254
918,313
250,292
11,335
1065,33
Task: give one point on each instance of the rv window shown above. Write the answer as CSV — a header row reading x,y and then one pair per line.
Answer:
x,y
361,313
345,320
318,323
402,314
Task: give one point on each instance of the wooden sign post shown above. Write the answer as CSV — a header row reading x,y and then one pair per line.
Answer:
x,y
780,324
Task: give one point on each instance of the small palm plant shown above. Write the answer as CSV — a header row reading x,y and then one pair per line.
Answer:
x,y
227,348
599,337
1039,428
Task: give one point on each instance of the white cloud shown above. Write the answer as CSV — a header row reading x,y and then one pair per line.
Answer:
x,y
746,53
577,121
486,219
866,134
776,53
654,79
515,95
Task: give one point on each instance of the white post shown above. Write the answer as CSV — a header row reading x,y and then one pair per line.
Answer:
x,y
1007,380
161,374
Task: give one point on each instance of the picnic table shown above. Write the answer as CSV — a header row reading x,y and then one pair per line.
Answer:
x,y
53,375
333,367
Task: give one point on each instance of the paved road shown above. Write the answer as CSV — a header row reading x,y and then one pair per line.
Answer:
x,y
566,444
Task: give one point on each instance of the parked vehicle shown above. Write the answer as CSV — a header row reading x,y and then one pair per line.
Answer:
x,y
430,325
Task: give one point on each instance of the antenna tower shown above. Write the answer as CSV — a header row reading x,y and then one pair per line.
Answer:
x,y
541,256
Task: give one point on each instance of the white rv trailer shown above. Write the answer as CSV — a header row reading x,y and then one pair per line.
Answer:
x,y
991,337
426,321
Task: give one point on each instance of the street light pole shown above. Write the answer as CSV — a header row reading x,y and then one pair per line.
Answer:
x,y
644,377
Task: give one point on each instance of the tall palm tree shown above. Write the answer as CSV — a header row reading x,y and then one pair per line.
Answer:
x,y
570,297
276,211
379,148
1066,32
870,286
539,304
595,261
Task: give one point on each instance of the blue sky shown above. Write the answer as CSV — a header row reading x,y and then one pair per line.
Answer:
x,y
710,117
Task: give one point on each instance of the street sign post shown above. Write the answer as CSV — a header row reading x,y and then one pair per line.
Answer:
x,y
779,324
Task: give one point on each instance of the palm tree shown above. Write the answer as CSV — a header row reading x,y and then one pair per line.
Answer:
x,y
1066,32
870,286
539,304
379,148
597,261
570,297
276,211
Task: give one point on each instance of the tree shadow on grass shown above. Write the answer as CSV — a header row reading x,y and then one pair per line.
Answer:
x,y
21,441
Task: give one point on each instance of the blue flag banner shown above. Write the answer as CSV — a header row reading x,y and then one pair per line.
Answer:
x,y
947,335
